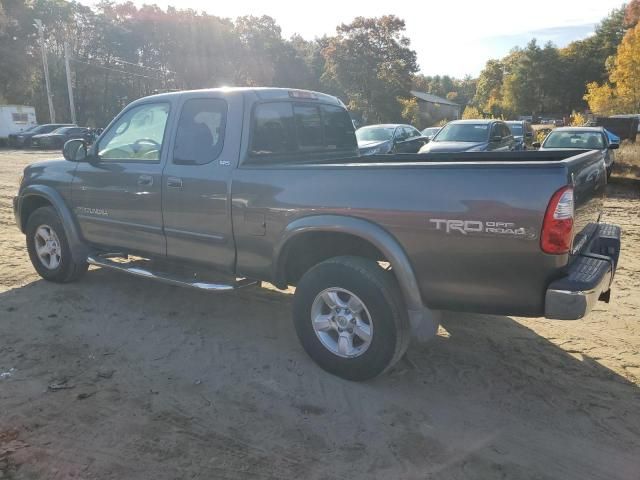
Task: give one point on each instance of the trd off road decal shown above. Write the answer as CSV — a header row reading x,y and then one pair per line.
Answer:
x,y
467,227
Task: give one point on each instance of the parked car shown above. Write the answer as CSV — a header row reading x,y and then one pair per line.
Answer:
x,y
57,138
522,133
246,184
389,138
24,139
472,136
587,138
15,119
430,132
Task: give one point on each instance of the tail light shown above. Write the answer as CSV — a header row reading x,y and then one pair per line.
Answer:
x,y
557,228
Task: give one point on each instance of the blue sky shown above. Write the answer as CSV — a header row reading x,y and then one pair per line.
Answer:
x,y
450,37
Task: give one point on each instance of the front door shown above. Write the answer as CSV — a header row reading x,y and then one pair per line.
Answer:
x,y
197,179
117,194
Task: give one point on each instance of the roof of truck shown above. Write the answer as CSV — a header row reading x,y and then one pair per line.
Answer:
x,y
264,93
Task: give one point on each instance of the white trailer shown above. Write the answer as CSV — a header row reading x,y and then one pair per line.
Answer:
x,y
15,119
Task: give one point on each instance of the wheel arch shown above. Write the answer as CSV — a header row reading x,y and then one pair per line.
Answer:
x,y
371,234
37,196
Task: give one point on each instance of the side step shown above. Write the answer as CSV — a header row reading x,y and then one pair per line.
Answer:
x,y
104,260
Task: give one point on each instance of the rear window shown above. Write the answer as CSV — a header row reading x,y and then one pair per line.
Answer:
x,y
286,128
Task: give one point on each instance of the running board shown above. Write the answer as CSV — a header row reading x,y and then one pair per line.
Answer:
x,y
103,260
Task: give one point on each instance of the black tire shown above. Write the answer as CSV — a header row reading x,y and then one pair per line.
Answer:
x,y
379,292
67,270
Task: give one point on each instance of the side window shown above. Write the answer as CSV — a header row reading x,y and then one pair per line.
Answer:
x,y
282,128
137,135
308,127
505,130
273,129
413,132
339,133
401,134
200,133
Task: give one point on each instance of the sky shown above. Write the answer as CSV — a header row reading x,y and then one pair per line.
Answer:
x,y
451,37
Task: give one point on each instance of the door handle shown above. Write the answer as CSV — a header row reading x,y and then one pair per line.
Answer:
x,y
145,180
174,182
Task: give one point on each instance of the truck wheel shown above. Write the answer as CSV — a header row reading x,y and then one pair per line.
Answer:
x,y
49,249
350,318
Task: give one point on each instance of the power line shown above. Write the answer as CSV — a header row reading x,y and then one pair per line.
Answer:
x,y
123,72
144,66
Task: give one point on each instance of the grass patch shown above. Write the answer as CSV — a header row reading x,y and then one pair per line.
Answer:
x,y
627,163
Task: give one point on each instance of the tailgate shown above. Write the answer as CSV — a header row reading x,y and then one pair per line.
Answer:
x,y
587,174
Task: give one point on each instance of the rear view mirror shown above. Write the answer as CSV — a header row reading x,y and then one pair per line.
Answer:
x,y
75,150
614,146
535,144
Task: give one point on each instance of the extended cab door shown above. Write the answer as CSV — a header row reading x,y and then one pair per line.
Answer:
x,y
197,179
116,194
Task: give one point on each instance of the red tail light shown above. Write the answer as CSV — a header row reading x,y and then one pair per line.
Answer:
x,y
557,228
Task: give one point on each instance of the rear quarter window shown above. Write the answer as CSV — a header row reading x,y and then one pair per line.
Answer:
x,y
297,128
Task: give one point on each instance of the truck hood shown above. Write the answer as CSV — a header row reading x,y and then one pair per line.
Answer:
x,y
453,147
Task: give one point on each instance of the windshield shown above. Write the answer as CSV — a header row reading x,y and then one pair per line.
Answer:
x,y
516,128
374,134
463,132
582,140
427,132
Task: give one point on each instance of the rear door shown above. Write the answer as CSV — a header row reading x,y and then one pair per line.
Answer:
x,y
197,177
116,196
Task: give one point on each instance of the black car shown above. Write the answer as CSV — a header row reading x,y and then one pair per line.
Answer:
x,y
522,133
472,136
389,138
59,137
24,138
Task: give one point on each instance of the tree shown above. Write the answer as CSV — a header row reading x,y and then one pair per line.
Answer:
x,y
471,113
371,62
622,93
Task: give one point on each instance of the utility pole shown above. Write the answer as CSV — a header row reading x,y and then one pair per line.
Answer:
x,y
45,65
72,107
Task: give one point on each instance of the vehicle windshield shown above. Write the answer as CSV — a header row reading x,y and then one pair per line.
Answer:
x,y
516,129
581,140
427,132
374,134
463,132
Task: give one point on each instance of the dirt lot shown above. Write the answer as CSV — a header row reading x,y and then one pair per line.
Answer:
x,y
119,378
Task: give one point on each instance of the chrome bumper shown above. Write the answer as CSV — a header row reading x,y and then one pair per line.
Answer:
x,y
588,278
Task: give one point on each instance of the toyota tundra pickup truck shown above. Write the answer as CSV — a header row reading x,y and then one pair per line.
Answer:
x,y
224,188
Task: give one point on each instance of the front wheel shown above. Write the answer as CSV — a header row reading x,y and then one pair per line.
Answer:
x,y
49,249
350,318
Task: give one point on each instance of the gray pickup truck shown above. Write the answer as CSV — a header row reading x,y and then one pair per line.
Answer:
x,y
220,189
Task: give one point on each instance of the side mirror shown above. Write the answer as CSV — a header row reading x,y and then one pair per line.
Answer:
x,y
614,146
529,134
496,139
75,150
535,144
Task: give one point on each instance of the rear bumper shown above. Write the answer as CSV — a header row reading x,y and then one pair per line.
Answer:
x,y
588,278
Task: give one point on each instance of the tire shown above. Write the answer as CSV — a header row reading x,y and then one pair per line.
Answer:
x,y
62,268
382,314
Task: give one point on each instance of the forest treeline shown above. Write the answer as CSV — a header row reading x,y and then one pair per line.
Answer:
x,y
120,52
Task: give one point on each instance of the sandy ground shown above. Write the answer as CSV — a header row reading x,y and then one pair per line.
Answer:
x,y
155,382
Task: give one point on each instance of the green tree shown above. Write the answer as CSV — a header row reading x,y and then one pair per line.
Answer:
x,y
371,62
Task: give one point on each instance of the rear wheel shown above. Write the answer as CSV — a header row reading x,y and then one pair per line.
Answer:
x,y
49,249
350,318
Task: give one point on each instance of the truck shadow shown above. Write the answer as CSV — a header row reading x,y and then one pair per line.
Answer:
x,y
486,384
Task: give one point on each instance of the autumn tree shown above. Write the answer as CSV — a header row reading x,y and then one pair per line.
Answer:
x,y
371,62
622,93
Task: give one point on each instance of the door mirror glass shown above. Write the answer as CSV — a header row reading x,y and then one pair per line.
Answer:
x,y
496,139
75,150
614,146
535,144
529,134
